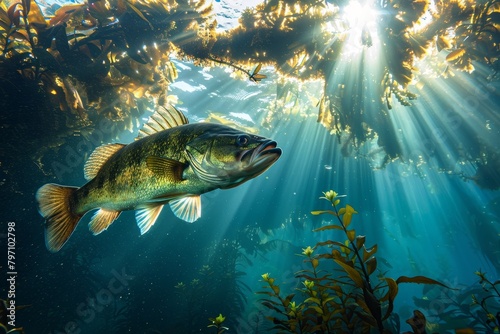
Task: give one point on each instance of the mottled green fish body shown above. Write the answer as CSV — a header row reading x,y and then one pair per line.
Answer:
x,y
170,162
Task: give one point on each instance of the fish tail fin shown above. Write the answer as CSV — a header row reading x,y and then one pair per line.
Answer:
x,y
54,203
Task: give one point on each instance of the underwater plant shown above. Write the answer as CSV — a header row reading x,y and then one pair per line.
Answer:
x,y
489,304
349,302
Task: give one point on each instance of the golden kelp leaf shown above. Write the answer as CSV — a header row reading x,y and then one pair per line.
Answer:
x,y
288,299
336,254
392,291
330,243
329,227
315,263
345,248
454,55
65,13
20,35
276,289
258,77
352,273
465,331
443,42
417,322
317,309
255,76
420,280
351,235
390,295
349,209
371,265
121,7
313,300
35,15
14,13
257,69
346,219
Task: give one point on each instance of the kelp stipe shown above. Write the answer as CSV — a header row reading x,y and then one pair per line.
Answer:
x,y
346,303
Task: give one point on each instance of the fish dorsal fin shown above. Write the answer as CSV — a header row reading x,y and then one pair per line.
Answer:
x,y
102,219
146,216
164,118
187,208
169,168
98,158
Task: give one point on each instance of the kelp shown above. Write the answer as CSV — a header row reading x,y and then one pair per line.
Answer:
x,y
473,309
5,310
349,299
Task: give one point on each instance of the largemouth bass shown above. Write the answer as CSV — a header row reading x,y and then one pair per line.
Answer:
x,y
171,162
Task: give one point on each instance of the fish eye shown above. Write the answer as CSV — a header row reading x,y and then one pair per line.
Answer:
x,y
242,140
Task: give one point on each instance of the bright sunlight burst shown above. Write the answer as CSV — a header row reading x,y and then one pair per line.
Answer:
x,y
359,15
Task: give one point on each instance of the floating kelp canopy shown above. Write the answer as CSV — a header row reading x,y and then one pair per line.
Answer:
x,y
111,59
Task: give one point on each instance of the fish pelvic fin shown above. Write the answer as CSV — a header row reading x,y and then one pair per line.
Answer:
x,y
165,117
98,158
146,216
102,219
187,208
54,202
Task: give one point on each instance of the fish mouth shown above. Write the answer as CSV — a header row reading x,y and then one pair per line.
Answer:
x,y
262,157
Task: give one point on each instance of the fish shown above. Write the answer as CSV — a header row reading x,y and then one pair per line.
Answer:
x,y
170,162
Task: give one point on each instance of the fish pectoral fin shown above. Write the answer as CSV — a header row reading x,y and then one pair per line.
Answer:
x,y
102,219
98,158
172,169
146,216
187,208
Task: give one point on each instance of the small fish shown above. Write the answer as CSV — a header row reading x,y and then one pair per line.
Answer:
x,y
171,162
